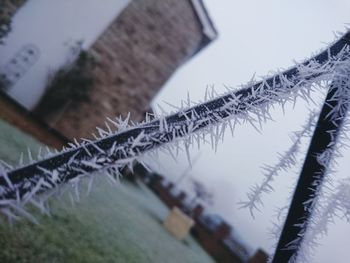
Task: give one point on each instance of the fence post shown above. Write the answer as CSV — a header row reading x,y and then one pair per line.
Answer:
x,y
313,171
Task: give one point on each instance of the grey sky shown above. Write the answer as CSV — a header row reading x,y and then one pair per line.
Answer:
x,y
256,37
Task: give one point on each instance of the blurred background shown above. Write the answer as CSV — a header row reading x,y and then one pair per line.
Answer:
x,y
67,66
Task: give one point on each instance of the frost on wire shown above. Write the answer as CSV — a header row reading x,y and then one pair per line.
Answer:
x,y
120,143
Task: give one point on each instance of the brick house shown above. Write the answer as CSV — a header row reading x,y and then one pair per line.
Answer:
x,y
135,56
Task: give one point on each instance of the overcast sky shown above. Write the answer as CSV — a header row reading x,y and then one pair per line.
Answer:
x,y
256,37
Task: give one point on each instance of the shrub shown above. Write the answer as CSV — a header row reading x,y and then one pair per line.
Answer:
x,y
71,83
7,9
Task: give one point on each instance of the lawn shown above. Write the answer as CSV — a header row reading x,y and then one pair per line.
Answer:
x,y
114,223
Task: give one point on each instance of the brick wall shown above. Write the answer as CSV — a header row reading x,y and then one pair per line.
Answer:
x,y
135,56
258,257
212,242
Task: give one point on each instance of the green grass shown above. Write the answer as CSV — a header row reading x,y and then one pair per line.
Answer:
x,y
114,223
13,142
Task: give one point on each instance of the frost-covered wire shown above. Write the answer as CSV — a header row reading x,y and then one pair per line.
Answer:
x,y
286,161
330,206
314,177
331,200
113,150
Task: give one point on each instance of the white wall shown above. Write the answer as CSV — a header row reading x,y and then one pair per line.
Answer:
x,y
52,25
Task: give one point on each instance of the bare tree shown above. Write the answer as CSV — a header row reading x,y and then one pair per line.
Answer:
x,y
201,192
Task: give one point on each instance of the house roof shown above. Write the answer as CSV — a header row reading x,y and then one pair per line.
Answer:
x,y
208,29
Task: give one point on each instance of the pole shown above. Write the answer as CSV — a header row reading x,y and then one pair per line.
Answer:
x,y
313,172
